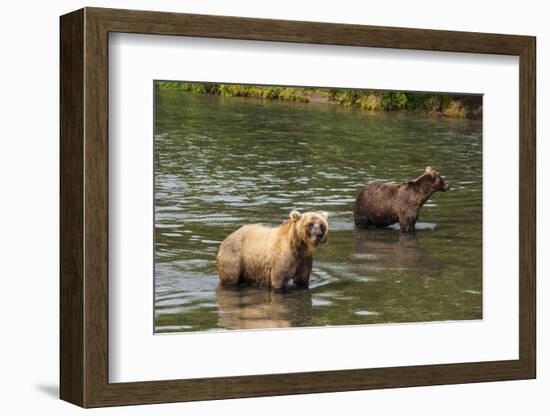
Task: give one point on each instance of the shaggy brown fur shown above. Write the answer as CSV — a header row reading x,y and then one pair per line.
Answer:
x,y
261,255
382,204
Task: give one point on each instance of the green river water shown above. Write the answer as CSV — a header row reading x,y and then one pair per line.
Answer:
x,y
221,163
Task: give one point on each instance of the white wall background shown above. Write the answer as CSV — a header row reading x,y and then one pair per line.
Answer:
x,y
29,206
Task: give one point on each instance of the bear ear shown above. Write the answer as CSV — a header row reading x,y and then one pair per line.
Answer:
x,y
324,214
295,216
430,172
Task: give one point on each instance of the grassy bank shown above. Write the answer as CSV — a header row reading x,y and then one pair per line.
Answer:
x,y
448,105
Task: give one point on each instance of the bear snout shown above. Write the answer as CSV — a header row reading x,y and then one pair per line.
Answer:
x,y
319,235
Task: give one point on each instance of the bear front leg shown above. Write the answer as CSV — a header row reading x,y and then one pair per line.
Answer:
x,y
407,218
303,270
279,276
278,285
407,224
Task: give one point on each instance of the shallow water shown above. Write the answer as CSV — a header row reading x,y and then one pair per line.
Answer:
x,y
224,162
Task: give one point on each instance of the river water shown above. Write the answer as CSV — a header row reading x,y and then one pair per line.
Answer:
x,y
224,162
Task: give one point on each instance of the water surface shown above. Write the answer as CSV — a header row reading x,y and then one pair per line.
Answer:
x,y
221,163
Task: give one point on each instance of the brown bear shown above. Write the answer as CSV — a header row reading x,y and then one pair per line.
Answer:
x,y
382,204
271,256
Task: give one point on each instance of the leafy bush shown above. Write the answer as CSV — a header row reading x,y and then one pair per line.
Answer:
x,y
456,106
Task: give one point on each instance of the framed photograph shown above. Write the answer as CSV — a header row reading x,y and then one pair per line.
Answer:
x,y
254,207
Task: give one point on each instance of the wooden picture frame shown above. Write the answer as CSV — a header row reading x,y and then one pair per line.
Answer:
x,y
84,207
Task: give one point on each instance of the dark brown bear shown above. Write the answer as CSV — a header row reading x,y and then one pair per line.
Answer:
x,y
382,204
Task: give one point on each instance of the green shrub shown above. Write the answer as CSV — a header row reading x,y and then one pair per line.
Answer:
x,y
455,109
370,102
456,106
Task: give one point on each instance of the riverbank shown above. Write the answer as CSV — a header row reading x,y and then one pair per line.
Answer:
x,y
446,105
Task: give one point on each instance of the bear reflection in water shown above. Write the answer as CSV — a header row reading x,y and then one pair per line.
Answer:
x,y
385,249
393,251
253,308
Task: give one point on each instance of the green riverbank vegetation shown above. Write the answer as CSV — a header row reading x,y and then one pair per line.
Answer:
x,y
447,105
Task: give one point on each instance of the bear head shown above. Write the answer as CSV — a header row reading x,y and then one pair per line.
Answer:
x,y
311,227
437,181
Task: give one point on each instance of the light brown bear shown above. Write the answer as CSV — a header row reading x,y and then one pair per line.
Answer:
x,y
271,256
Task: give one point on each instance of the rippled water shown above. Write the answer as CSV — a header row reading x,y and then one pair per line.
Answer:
x,y
224,162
